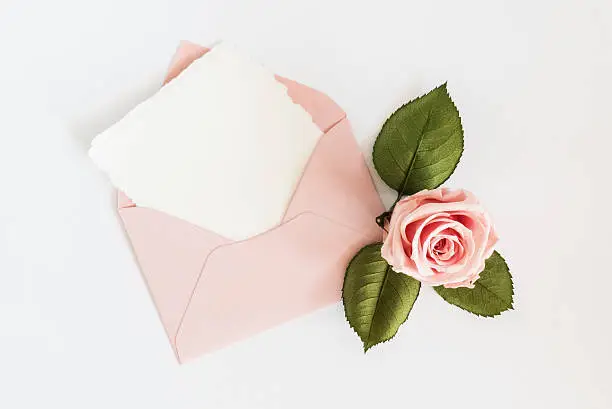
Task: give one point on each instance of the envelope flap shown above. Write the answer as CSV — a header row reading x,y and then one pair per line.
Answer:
x,y
171,253
337,183
189,269
249,286
123,201
324,111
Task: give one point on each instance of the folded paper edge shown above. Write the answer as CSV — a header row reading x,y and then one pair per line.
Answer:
x,y
124,203
175,340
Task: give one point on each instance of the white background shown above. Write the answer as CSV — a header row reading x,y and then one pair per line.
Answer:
x,y
532,81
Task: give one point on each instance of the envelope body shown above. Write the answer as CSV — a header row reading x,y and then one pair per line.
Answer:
x,y
211,291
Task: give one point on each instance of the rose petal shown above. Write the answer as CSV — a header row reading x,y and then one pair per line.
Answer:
x,y
440,237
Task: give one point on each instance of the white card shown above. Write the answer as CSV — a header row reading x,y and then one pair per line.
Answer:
x,y
222,146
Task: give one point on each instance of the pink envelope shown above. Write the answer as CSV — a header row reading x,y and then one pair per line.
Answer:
x,y
211,291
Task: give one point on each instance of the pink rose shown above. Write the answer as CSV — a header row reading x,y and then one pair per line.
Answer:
x,y
440,237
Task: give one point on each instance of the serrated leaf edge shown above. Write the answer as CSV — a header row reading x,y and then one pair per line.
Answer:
x,y
366,348
511,307
374,147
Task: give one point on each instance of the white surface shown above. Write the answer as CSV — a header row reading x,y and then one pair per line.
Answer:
x,y
226,129
531,79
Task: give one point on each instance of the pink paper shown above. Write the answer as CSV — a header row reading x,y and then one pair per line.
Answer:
x,y
210,291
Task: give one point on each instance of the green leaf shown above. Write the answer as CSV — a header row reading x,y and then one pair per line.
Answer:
x,y
377,300
492,293
420,144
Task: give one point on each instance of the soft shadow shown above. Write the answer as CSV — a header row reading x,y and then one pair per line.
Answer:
x,y
413,90
89,123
